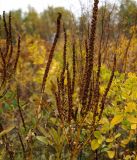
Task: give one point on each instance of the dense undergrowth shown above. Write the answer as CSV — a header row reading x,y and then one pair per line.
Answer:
x,y
71,99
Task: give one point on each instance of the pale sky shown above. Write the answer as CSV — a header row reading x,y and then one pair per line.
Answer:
x,y
40,5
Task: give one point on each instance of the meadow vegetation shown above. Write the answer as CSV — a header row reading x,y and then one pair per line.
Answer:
x,y
68,86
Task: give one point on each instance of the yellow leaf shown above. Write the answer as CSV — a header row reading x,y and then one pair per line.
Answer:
x,y
125,141
128,157
105,128
131,75
118,135
132,119
94,144
109,140
117,119
131,106
101,139
104,120
122,145
111,154
134,126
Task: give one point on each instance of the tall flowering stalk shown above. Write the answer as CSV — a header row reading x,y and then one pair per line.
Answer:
x,y
91,51
51,54
8,68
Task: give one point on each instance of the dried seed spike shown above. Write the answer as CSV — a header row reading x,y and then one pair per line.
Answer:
x,y
4,70
5,24
65,49
10,40
10,29
62,76
86,48
85,70
124,65
10,56
90,54
58,101
74,67
107,88
51,53
97,85
70,101
2,57
64,60
90,95
7,34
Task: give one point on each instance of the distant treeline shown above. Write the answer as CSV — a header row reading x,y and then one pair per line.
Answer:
x,y
122,16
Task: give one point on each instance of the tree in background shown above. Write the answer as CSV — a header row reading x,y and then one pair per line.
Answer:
x,y
31,21
127,15
48,19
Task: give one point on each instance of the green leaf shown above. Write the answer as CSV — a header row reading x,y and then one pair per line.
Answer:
x,y
97,134
6,106
2,154
54,135
42,130
94,144
117,119
111,154
6,131
9,95
1,110
42,139
14,102
105,149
